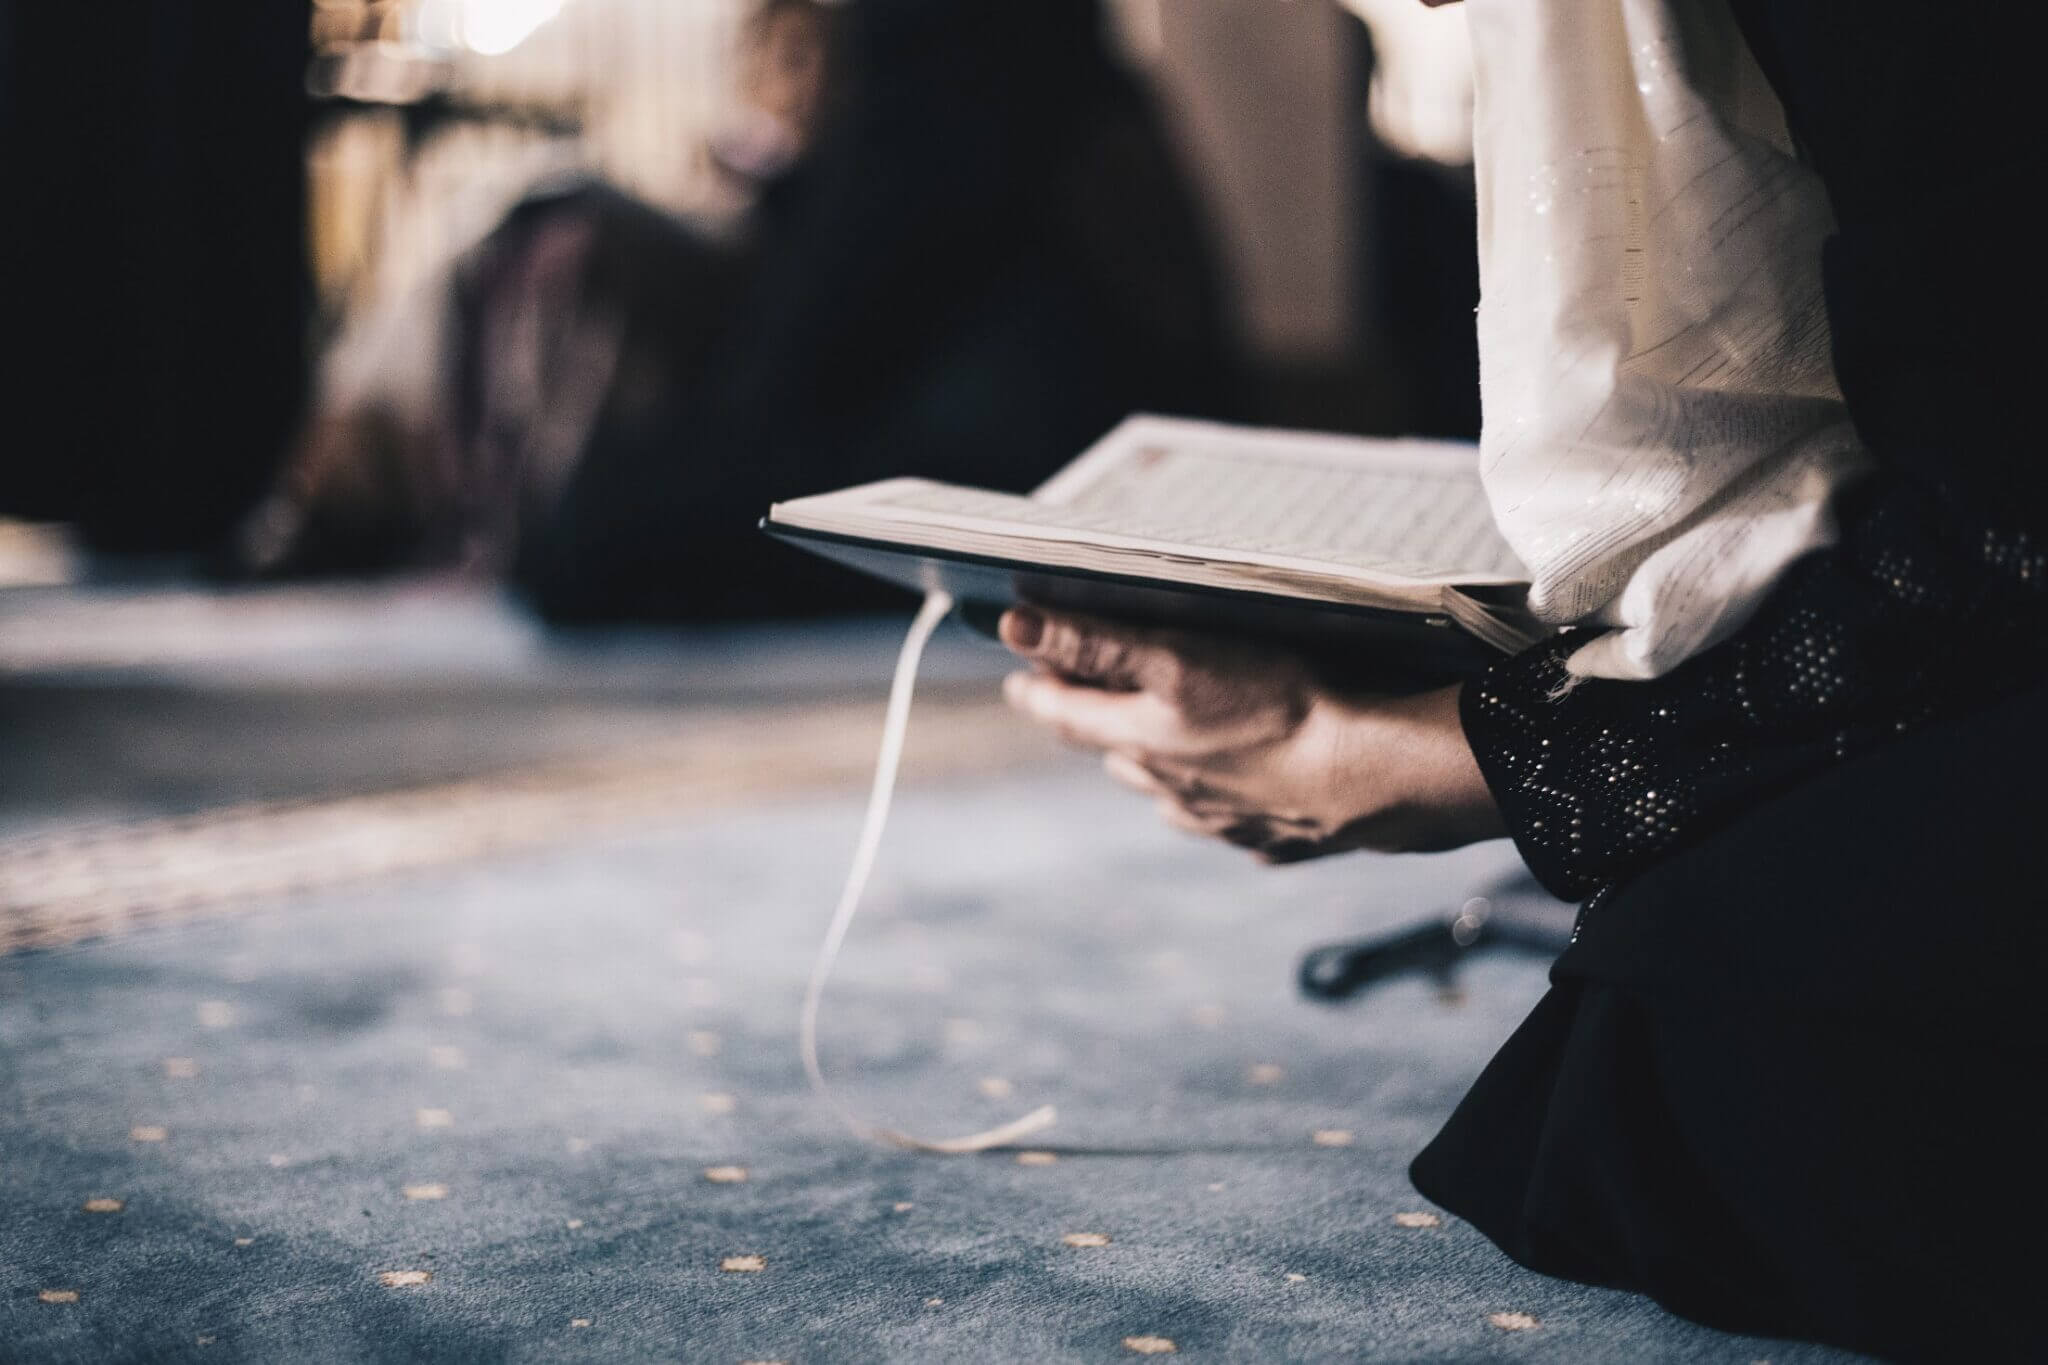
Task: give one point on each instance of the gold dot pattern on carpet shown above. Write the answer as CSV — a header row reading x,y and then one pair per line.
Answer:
x,y
245,1241
58,1296
1332,1137
703,1042
447,1058
430,1190
1512,1322
180,1068
725,1175
104,1205
579,1322
215,1014
577,1144
1036,1158
743,1264
1086,1239
1150,1346
404,1279
278,1161
574,1223
995,1087
1421,1218
434,1118
1208,1016
933,1302
1265,1073
1295,1277
148,1132
904,1206
204,1341
456,1002
717,1102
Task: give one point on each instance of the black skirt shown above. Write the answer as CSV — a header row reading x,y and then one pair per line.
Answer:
x,y
1785,1081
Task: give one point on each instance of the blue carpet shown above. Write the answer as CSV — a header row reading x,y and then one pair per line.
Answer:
x,y
537,1036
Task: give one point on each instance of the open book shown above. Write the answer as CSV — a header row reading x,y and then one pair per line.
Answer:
x,y
1383,546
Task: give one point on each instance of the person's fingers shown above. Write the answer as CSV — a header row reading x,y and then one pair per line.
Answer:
x,y
1133,774
1195,786
1251,834
1270,844
1093,717
1100,652
1172,808
1181,818
1281,851
1020,629
1151,776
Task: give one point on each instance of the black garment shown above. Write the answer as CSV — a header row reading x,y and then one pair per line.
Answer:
x,y
1783,1083
1778,1082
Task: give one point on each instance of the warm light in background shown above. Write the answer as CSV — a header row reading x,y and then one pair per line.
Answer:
x,y
486,27
512,93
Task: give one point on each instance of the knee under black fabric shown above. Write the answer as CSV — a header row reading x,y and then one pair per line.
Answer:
x,y
1780,1081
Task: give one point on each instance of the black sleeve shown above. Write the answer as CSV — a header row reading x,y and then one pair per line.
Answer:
x,y
1935,600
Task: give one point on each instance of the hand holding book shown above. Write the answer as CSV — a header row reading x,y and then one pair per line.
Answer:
x,y
1264,536
1248,744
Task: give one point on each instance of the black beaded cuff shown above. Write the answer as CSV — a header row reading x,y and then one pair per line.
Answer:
x,y
1896,627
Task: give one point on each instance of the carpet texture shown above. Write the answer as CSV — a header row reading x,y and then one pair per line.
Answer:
x,y
468,1114
420,987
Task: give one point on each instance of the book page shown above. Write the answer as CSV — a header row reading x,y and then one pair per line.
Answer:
x,y
1413,510
1389,511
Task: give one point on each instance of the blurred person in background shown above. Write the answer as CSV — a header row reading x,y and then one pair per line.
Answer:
x,y
969,252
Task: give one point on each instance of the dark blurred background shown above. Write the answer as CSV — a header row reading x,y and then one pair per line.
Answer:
x,y
560,293
159,286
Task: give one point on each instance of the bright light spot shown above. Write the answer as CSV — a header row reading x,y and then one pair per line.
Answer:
x,y
490,27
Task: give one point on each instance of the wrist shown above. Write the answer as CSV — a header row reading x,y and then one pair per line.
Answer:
x,y
1402,774
1453,779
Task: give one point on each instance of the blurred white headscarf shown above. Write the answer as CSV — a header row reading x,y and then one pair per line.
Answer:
x,y
1663,431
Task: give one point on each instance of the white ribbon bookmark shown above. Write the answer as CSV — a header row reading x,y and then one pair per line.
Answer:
x,y
896,722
